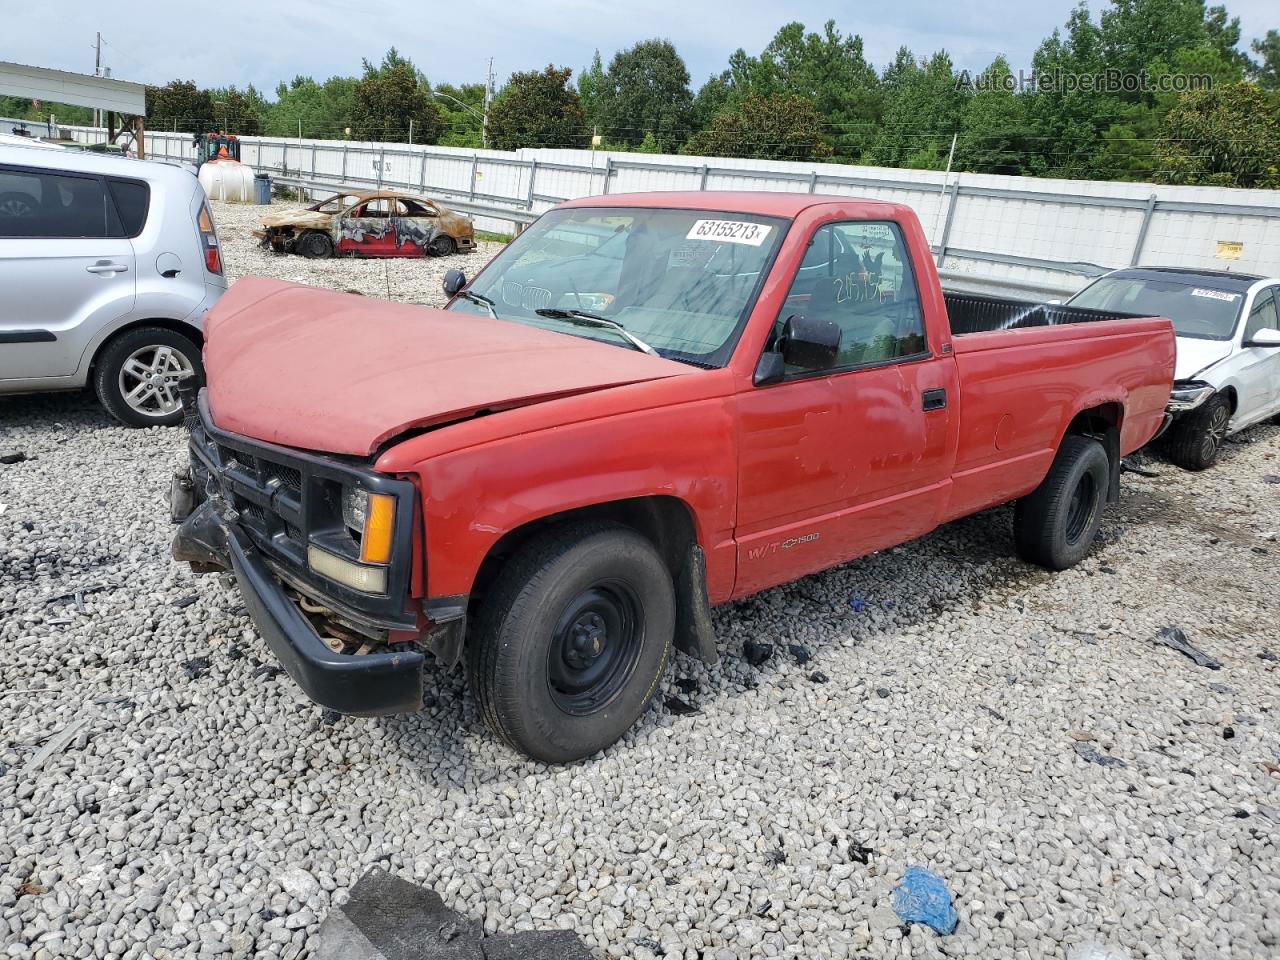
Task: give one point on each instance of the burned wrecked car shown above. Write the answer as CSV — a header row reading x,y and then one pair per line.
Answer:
x,y
374,224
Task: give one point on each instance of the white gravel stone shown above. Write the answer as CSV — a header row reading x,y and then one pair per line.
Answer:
x,y
221,815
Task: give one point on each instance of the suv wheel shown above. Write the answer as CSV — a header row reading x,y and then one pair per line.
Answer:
x,y
1055,525
1197,437
572,640
138,372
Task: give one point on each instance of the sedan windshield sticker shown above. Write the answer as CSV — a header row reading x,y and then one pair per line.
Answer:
x,y
730,231
1215,294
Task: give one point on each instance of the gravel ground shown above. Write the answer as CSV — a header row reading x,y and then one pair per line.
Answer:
x,y
167,793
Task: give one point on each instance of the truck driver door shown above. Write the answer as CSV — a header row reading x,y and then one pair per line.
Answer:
x,y
841,462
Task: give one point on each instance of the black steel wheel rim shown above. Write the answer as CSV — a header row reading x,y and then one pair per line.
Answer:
x,y
1080,510
595,647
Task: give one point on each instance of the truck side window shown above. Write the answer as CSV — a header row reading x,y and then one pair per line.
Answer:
x,y
1262,316
858,275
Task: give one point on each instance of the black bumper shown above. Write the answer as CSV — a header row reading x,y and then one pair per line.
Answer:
x,y
362,685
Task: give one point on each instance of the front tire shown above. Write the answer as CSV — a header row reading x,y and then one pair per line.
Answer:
x,y
572,640
1197,437
136,375
315,245
1055,525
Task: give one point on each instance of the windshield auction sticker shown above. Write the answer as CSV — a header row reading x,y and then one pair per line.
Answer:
x,y
1214,294
730,231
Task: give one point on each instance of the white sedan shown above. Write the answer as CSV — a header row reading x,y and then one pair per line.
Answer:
x,y
1228,328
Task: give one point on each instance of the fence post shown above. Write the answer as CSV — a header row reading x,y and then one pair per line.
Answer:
x,y
475,162
1142,230
702,183
946,226
313,161
422,173
344,163
533,175
813,181
284,157
382,158
608,172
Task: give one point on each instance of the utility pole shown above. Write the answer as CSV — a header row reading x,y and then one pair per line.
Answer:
x,y
97,72
488,96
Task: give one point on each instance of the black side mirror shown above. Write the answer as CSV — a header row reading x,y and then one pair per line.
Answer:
x,y
813,344
454,281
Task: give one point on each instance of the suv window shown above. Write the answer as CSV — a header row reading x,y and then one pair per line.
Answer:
x,y
131,199
858,275
38,204
1263,315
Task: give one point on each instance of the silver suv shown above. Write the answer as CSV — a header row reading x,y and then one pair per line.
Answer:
x,y
107,268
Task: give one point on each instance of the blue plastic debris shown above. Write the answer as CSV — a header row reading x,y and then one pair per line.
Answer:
x,y
922,897
857,604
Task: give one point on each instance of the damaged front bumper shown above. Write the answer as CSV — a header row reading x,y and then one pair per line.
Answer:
x,y
254,509
370,684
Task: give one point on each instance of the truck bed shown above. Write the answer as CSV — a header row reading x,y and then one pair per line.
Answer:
x,y
978,313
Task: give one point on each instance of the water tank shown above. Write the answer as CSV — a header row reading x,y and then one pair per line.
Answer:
x,y
227,180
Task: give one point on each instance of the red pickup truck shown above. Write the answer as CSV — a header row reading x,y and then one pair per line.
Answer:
x,y
644,406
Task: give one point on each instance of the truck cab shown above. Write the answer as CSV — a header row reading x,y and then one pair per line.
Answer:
x,y
553,485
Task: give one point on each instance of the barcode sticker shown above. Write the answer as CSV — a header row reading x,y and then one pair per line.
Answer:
x,y
1215,294
730,231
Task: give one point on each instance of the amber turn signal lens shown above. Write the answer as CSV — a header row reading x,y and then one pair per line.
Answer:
x,y
375,543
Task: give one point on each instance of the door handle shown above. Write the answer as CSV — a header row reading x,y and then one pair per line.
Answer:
x,y
935,399
103,266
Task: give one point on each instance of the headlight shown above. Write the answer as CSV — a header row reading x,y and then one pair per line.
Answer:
x,y
371,517
355,509
357,576
1189,394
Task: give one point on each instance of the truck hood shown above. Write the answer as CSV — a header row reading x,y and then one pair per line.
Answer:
x,y
1195,354
340,373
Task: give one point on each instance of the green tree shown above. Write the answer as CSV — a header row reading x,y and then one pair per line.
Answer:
x,y
239,111
21,108
1267,70
389,97
538,109
773,127
923,108
1228,136
591,85
994,133
321,110
462,113
646,90
180,102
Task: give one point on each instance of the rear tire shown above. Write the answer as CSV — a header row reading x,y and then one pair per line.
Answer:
x,y
572,640
315,245
442,246
136,375
1196,439
1055,525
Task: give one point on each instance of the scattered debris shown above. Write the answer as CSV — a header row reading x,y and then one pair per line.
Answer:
x,y
857,604
1221,688
644,943
1271,478
1268,655
818,677
195,667
1128,466
922,897
12,456
881,692
1228,733
686,684
267,670
1090,753
1271,768
995,713
801,654
185,602
757,653
860,854
764,909
775,858
30,888
386,918
56,744
680,708
330,717
1175,639
1081,735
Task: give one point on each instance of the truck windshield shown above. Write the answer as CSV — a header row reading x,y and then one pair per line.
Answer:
x,y
1196,307
683,281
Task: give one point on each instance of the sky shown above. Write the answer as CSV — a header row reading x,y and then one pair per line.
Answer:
x,y
222,42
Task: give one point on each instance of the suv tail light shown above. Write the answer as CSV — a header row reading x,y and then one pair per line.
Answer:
x,y
209,241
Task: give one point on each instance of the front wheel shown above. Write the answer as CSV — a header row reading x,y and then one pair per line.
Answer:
x,y
571,642
315,245
136,376
1197,437
1055,525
